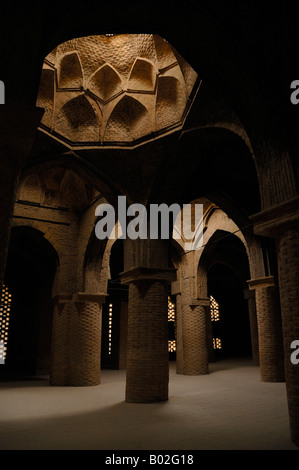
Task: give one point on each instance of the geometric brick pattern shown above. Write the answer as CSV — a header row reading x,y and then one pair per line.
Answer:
x,y
76,344
270,334
288,270
195,340
147,347
60,361
85,347
114,89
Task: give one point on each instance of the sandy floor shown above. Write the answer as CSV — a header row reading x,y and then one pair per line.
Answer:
x,y
228,409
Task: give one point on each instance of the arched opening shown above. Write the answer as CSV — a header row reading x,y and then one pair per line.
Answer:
x,y
227,270
231,332
115,313
105,83
30,273
127,122
70,72
142,76
78,120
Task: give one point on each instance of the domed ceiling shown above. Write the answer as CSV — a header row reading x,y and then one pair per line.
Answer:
x,y
114,90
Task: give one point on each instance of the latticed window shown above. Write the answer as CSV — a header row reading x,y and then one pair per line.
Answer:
x,y
5,304
171,310
214,308
110,311
171,318
215,316
217,343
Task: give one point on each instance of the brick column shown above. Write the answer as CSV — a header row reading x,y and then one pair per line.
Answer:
x,y
288,268
85,339
17,132
250,297
147,353
269,329
60,347
76,340
147,372
195,337
282,223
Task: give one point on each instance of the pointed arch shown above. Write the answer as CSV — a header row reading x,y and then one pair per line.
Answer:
x,y
164,52
105,82
128,121
70,73
32,265
142,76
78,121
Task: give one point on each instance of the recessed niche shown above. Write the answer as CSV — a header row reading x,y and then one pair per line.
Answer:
x,y
78,121
142,77
105,83
128,121
70,72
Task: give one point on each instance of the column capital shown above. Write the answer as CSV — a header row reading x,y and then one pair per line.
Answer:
x,y
196,302
261,282
269,221
200,301
80,297
142,273
61,299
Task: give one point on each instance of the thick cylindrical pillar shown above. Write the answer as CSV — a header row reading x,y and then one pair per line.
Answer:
x,y
85,340
288,270
147,347
250,297
195,340
76,340
147,273
60,347
282,223
271,356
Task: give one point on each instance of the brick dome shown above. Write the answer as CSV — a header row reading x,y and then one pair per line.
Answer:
x,y
114,89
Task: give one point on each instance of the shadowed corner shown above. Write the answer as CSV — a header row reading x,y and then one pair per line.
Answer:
x,y
2,92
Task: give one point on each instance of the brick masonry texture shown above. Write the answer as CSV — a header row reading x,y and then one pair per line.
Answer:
x,y
237,146
195,341
147,350
288,265
270,334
